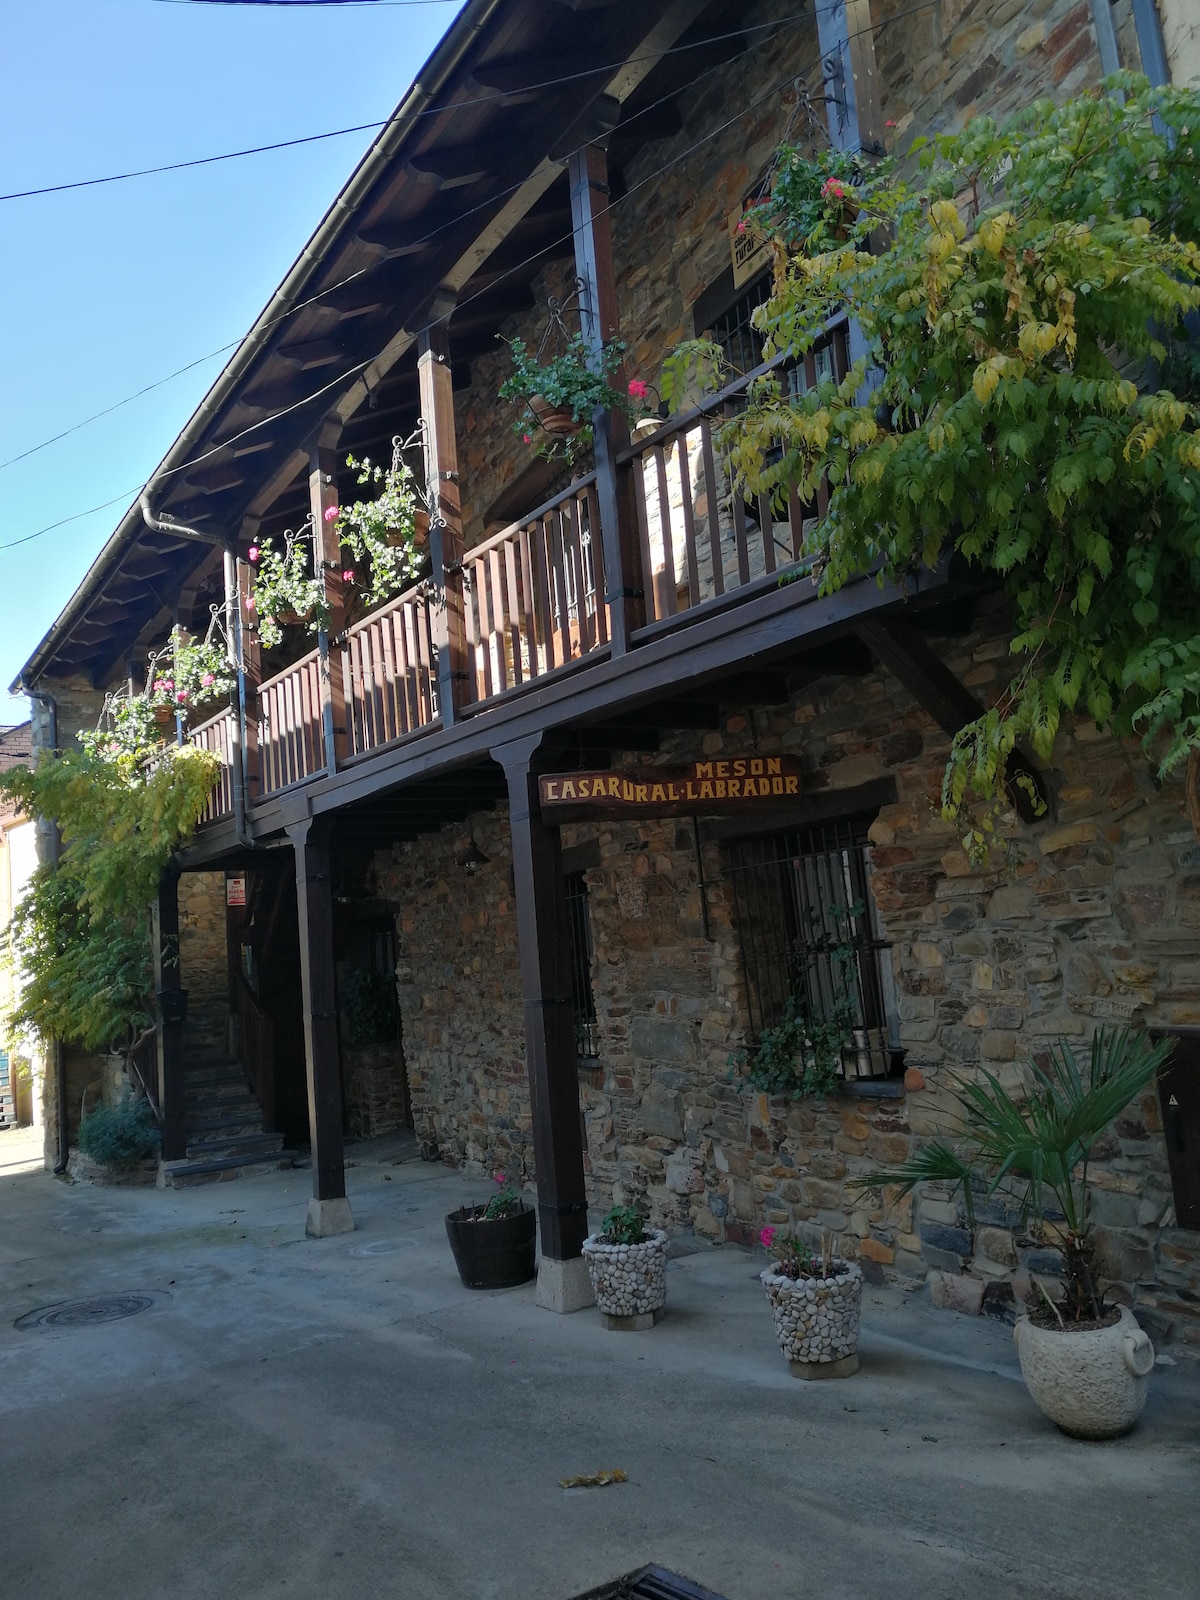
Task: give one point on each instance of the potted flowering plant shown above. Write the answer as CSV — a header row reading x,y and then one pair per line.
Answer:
x,y
627,1264
127,730
816,1298
382,536
493,1244
286,590
200,670
811,206
559,395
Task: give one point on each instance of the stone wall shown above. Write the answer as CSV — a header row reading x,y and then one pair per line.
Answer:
x,y
376,1089
204,959
1094,918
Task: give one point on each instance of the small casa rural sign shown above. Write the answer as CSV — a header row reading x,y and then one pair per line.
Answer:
x,y
704,786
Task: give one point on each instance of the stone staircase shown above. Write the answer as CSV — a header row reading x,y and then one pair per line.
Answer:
x,y
225,1134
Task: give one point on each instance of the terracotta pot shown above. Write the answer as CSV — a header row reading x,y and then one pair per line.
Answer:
x,y
629,1280
164,716
420,527
816,1319
495,1254
556,420
1090,1382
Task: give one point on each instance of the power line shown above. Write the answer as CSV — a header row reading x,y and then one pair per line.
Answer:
x,y
791,77
368,127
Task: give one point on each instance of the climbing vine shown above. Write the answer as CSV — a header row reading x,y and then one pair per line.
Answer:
x,y
81,935
1028,401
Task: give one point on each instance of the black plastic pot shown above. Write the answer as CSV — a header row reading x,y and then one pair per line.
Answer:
x,y
493,1255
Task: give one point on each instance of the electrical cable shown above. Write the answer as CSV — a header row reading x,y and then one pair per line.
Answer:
x,y
157,476
365,127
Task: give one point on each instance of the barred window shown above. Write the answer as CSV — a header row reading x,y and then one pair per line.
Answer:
x,y
810,934
579,924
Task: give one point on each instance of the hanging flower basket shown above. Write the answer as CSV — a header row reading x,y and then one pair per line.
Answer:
x,y
556,420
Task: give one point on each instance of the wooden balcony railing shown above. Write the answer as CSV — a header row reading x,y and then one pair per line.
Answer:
x,y
218,734
534,593
699,538
291,737
388,672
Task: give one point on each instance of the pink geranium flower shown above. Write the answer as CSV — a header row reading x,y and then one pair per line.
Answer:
x,y
347,574
250,602
765,1238
181,695
208,680
638,388
526,438
252,554
331,513
832,189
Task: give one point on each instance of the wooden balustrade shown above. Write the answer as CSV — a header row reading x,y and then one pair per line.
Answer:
x,y
535,593
217,734
699,537
291,739
389,672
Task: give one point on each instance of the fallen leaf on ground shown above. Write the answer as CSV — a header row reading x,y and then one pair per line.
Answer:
x,y
594,1480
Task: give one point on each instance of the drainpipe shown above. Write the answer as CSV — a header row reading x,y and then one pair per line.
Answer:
x,y
175,529
1150,41
56,1044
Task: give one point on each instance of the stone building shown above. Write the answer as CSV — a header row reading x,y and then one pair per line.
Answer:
x,y
388,912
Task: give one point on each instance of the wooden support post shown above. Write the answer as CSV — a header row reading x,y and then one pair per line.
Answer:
x,y
327,551
445,515
623,579
550,1051
328,1210
172,998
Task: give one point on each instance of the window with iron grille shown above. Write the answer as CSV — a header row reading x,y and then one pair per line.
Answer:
x,y
732,330
810,933
579,924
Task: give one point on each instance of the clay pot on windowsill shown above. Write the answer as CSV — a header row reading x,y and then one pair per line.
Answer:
x,y
559,421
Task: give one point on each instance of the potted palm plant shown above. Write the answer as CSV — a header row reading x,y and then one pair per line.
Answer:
x,y
493,1244
1085,1363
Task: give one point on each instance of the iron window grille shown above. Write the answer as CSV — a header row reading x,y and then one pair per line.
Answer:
x,y
579,926
809,931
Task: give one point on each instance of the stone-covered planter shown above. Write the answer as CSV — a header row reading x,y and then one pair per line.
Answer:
x,y
628,1280
816,1320
496,1252
1090,1382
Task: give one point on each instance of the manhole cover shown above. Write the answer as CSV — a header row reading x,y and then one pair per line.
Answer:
x,y
650,1583
83,1313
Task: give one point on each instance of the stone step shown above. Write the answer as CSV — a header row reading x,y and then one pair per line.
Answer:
x,y
242,1119
218,1093
233,1145
183,1174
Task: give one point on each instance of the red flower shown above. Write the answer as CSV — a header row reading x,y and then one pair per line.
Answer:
x,y
526,439
331,513
637,388
181,695
347,574
833,190
890,124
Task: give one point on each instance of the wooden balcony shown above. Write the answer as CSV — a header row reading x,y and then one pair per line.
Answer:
x,y
535,606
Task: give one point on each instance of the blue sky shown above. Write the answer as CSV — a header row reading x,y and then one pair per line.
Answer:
x,y
107,289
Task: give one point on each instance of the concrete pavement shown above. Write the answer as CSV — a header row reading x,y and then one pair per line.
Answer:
x,y
339,1418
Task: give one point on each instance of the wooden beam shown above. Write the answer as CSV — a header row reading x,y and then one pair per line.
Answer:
x,y
329,1210
950,703
327,553
445,523
168,985
588,176
550,1052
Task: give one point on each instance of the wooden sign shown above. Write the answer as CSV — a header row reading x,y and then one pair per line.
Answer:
x,y
733,785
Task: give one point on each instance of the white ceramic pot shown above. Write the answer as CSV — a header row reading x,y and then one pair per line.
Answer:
x,y
629,1280
1092,1382
816,1320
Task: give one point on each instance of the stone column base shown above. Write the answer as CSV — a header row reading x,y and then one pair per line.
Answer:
x,y
327,1217
635,1324
563,1285
845,1368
